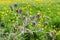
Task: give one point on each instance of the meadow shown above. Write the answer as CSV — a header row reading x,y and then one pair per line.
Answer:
x,y
29,19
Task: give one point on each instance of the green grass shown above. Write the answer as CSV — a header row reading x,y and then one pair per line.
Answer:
x,y
11,22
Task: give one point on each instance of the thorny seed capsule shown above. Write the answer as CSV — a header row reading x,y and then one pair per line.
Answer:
x,y
38,16
15,5
52,33
32,17
34,23
46,23
48,36
27,14
31,32
23,18
20,11
11,7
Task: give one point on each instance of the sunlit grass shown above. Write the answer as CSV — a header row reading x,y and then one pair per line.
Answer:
x,y
40,18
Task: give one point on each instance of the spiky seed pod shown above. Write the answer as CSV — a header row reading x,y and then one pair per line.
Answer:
x,y
38,16
45,23
31,32
20,11
48,36
22,33
11,7
23,18
15,5
34,23
52,33
32,17
27,14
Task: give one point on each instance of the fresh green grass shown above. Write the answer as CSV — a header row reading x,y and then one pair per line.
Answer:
x,y
12,22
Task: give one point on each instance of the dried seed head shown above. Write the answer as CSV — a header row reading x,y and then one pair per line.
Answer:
x,y
31,32
11,7
46,23
20,11
38,16
23,18
32,17
27,14
48,36
52,33
15,5
22,33
34,23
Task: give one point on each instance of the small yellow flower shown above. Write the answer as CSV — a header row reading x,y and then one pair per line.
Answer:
x,y
30,12
2,18
58,33
48,8
28,5
41,19
9,20
38,11
5,8
6,14
14,25
42,25
23,8
19,16
13,17
7,11
39,24
45,27
49,11
30,15
2,13
54,30
58,13
30,9
50,30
